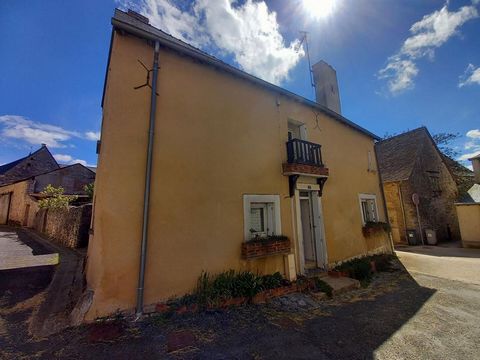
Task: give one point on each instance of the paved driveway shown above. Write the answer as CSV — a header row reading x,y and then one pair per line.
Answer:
x,y
444,262
18,251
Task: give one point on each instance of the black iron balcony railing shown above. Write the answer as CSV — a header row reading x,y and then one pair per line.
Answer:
x,y
304,152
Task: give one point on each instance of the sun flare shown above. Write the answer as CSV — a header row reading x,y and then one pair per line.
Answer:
x,y
319,9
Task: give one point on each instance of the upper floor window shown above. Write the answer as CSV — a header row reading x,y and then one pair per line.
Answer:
x,y
435,185
368,208
296,130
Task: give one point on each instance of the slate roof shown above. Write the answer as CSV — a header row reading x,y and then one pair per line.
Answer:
x,y
131,24
397,155
6,167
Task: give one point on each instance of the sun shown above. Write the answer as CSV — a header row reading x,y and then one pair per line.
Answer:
x,y
319,9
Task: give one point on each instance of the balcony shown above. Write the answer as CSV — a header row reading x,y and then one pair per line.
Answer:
x,y
304,158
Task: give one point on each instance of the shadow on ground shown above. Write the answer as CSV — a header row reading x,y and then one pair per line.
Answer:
x,y
351,326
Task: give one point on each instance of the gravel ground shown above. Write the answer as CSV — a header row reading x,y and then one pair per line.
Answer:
x,y
396,317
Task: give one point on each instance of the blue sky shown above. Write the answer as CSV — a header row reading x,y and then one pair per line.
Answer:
x,y
400,64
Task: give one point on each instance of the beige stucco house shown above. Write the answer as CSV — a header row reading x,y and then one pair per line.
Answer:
x,y
233,158
468,210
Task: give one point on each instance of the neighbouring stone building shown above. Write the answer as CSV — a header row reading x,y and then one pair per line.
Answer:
x,y
24,180
39,162
411,163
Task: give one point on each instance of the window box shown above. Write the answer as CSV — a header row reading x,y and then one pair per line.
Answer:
x,y
261,247
372,228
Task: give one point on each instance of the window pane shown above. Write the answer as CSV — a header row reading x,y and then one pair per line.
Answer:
x,y
369,210
257,222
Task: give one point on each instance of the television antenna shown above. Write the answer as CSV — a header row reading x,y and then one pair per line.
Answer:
x,y
305,40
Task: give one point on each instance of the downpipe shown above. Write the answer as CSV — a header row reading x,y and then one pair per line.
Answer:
x,y
148,175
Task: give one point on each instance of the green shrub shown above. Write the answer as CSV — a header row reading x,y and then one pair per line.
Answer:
x,y
323,287
383,262
357,268
54,198
272,281
211,290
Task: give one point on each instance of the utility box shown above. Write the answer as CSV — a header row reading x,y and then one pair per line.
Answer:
x,y
412,237
431,236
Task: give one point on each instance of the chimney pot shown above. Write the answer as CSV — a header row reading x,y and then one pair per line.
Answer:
x,y
476,167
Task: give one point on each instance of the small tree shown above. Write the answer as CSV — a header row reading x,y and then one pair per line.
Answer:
x,y
444,142
89,188
54,198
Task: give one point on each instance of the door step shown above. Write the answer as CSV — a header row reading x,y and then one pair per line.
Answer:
x,y
315,272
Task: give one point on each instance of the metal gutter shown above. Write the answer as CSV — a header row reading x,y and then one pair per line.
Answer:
x,y
148,177
122,20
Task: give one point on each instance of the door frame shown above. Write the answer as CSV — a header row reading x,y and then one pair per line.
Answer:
x,y
318,223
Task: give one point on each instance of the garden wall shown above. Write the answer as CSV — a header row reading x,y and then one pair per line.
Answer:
x,y
68,226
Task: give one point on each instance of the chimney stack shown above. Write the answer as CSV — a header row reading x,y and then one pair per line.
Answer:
x,y
476,167
326,86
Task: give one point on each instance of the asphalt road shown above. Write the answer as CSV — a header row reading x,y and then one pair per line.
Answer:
x,y
422,313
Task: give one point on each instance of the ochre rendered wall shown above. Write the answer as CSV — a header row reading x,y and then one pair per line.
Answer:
x,y
217,137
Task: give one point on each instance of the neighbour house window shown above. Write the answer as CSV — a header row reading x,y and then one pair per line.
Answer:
x,y
368,208
434,177
261,216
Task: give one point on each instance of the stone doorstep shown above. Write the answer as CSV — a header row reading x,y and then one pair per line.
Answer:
x,y
341,285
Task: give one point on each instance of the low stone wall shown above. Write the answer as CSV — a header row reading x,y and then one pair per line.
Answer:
x,y
68,227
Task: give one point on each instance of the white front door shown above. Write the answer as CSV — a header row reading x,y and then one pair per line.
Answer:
x,y
307,232
311,230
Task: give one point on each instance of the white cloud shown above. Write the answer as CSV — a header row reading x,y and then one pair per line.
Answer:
x,y
475,133
92,135
431,32
470,76
36,133
468,155
472,145
69,160
247,31
62,158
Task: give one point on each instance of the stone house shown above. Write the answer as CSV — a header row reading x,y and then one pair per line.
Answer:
x,y
411,163
38,162
28,177
244,175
